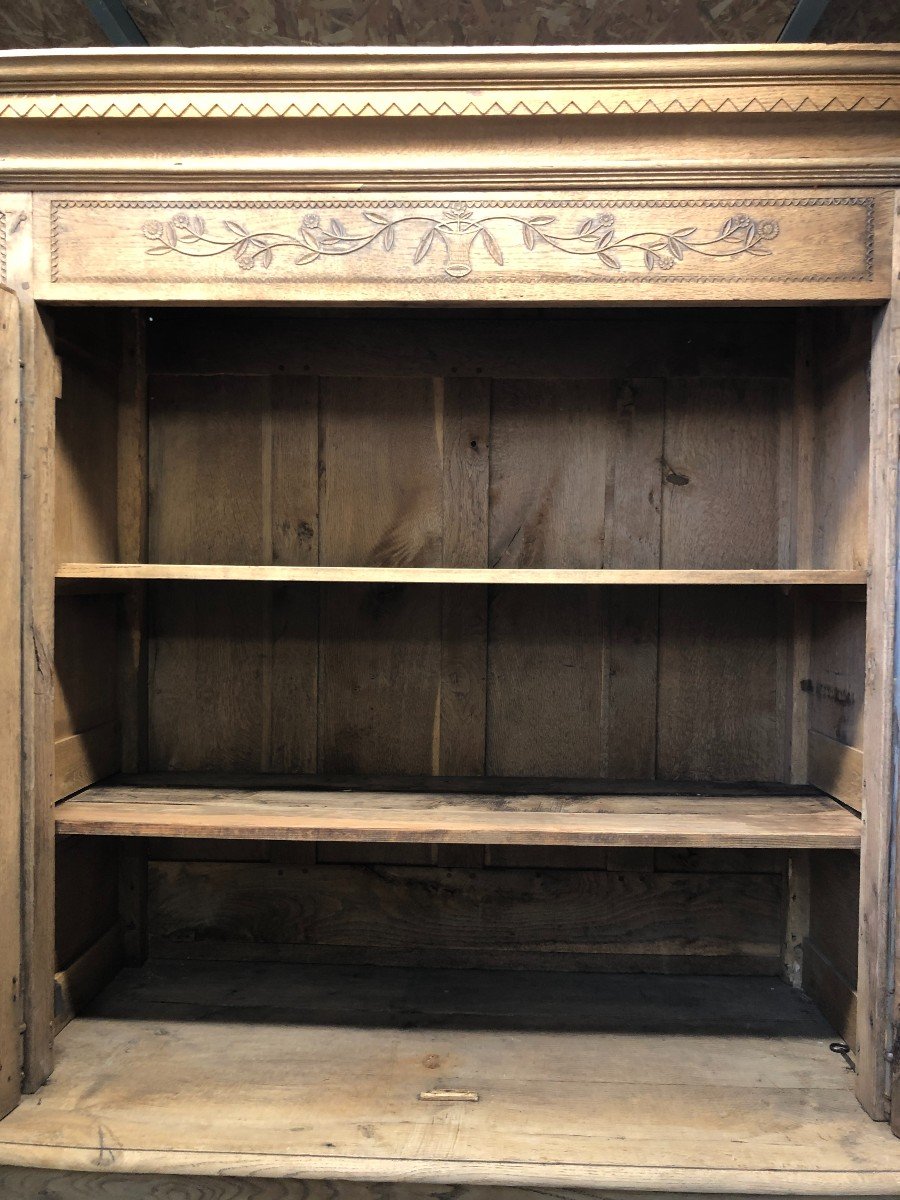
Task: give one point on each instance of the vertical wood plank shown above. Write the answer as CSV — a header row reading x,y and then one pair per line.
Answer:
x,y
206,469
206,697
132,900
796,924
293,619
840,479
133,538
379,679
380,503
545,682
133,515
10,708
550,449
464,405
40,389
717,684
632,538
721,473
879,961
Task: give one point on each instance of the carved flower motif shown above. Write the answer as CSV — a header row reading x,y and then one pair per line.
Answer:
x,y
152,229
245,262
741,221
603,220
665,262
311,221
182,220
768,230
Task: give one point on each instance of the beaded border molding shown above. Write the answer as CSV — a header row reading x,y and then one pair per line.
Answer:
x,y
210,229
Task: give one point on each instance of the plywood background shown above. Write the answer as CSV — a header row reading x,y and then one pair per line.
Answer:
x,y
46,23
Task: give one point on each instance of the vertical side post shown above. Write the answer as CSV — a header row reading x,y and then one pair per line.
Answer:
x,y
40,388
877,952
133,532
10,707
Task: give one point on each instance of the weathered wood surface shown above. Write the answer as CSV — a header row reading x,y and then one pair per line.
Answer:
x,y
10,706
811,821
561,917
836,769
276,1072
879,963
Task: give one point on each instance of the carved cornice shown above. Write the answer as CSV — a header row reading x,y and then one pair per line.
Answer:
x,y
400,120
435,83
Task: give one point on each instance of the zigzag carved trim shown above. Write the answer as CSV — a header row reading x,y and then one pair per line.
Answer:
x,y
417,104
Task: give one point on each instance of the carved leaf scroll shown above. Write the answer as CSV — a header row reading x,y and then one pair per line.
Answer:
x,y
457,230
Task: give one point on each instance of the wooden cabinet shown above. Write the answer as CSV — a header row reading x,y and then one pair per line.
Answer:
x,y
449,591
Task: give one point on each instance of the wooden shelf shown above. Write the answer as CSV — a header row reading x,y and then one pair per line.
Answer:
x,y
643,1083
137,572
724,817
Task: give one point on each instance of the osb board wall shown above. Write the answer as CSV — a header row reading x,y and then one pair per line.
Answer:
x,y
33,23
47,23
717,912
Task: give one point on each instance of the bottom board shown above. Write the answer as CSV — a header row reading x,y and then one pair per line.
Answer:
x,y
582,1081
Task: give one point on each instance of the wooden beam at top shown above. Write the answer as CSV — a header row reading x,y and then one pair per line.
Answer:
x,y
802,22
116,22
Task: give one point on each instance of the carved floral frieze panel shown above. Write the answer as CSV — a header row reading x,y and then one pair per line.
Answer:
x,y
478,247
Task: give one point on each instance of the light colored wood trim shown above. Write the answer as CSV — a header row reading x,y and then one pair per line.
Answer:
x,y
877,953
730,108
10,708
83,758
670,247
603,820
836,769
41,385
872,66
128,572
77,984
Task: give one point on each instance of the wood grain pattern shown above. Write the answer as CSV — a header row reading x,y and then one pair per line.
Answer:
x,y
555,1059
557,919
878,960
10,707
40,390
836,769
315,815
668,247
128,572
31,1183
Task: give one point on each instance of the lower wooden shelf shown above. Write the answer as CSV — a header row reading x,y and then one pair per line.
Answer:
x,y
708,816
564,1080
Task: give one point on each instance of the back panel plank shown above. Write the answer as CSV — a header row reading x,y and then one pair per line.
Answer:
x,y
567,919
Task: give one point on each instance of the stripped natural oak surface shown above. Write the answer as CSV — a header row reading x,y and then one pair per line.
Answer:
x,y
663,1083
732,818
480,575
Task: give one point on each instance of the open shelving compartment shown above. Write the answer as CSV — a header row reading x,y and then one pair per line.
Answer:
x,y
378,861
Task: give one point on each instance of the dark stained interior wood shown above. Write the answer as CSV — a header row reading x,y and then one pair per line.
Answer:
x,y
445,722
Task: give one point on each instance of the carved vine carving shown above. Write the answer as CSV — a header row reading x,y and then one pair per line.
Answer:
x,y
458,230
